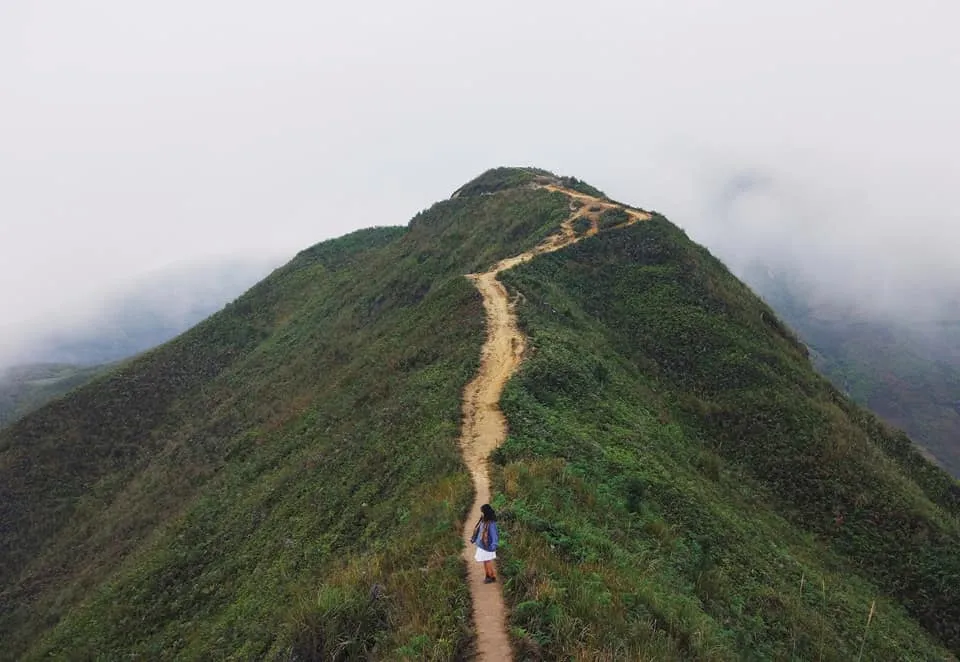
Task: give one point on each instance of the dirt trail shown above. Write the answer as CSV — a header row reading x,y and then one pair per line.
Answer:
x,y
484,426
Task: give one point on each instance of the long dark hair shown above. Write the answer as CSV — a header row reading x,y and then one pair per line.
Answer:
x,y
487,513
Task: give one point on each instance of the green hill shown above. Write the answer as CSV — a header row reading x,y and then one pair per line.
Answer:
x,y
284,481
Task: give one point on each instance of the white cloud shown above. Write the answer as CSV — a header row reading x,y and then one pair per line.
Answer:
x,y
137,135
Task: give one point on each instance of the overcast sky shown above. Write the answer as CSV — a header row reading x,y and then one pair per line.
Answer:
x,y
138,135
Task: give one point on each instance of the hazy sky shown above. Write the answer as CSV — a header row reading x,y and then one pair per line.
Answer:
x,y
136,135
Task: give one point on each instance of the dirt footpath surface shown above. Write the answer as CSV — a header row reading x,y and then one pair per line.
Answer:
x,y
484,426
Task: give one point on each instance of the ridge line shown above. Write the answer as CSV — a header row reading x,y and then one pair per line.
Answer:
x,y
484,425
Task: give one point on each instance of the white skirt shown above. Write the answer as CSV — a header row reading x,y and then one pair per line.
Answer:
x,y
484,555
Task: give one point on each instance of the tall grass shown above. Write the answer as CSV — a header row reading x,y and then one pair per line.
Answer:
x,y
240,491
866,630
674,458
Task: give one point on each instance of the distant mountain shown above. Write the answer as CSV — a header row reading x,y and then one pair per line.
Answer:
x,y
906,370
144,314
63,355
286,480
28,387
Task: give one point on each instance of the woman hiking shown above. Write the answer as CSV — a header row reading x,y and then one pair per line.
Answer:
x,y
486,537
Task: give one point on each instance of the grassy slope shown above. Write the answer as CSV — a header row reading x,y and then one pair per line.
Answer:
x,y
889,372
25,388
910,380
284,478
284,481
496,180
679,483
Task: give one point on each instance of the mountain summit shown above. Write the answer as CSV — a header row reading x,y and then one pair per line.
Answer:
x,y
290,479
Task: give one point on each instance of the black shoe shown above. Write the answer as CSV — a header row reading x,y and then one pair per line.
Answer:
x,y
489,580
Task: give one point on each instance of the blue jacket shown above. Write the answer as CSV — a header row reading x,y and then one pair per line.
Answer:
x,y
493,537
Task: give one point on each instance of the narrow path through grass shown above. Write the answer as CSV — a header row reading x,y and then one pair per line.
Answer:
x,y
484,426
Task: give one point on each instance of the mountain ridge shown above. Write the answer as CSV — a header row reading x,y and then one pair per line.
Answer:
x,y
285,480
484,426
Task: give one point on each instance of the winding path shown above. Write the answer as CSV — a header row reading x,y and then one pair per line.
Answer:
x,y
484,426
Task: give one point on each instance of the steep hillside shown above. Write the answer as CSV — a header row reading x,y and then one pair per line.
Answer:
x,y
284,481
908,372
245,487
27,387
682,484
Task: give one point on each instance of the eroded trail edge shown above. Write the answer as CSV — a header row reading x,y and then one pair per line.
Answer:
x,y
484,425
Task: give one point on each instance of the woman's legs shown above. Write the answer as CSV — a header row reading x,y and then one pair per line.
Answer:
x,y
489,569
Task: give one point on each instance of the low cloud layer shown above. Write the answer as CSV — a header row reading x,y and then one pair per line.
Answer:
x,y
145,312
876,241
137,136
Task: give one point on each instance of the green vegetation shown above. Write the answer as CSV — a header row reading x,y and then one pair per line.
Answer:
x,y
25,388
577,185
582,225
611,218
910,376
284,480
501,179
680,484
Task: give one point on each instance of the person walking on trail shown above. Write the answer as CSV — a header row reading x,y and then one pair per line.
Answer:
x,y
487,538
